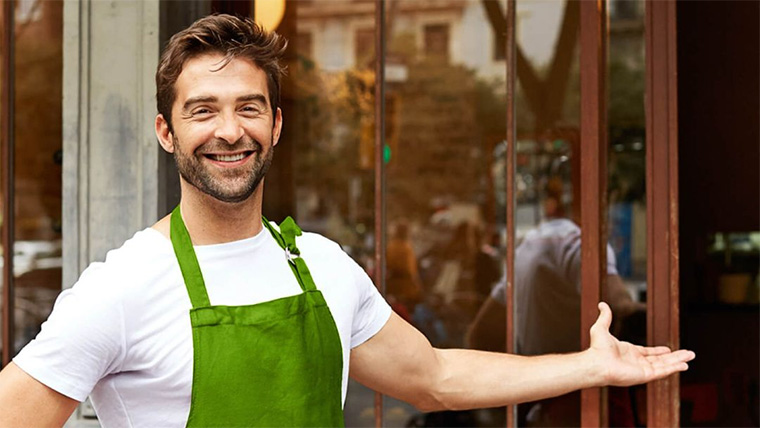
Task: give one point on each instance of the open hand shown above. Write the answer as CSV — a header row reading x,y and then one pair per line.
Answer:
x,y
626,364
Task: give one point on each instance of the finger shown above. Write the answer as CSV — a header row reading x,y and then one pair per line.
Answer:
x,y
605,317
660,368
677,357
652,350
664,371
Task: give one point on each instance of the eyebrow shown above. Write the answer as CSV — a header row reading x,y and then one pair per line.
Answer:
x,y
199,99
212,99
253,97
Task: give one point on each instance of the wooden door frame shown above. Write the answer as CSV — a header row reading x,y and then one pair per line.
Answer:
x,y
663,399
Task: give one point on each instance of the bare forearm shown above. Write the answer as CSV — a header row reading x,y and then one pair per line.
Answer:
x,y
476,379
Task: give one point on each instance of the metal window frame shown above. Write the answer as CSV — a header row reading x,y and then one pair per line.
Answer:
x,y
6,176
511,79
380,228
663,398
593,186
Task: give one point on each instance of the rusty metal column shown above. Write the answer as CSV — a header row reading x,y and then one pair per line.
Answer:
x,y
663,401
511,70
593,185
6,164
379,168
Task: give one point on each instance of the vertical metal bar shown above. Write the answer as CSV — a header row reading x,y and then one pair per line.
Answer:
x,y
379,168
663,401
6,163
593,183
511,70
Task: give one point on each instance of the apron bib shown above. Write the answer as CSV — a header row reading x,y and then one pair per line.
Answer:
x,y
272,364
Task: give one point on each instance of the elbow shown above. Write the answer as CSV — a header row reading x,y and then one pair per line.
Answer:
x,y
432,402
437,395
441,403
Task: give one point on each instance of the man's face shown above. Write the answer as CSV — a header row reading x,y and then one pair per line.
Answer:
x,y
224,128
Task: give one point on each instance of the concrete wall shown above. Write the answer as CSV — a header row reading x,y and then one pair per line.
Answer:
x,y
110,168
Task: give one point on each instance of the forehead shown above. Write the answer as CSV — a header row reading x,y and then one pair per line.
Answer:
x,y
202,76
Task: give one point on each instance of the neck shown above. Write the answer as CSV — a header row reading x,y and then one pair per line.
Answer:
x,y
211,221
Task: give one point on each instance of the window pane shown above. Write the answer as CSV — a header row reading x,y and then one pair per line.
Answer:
x,y
38,159
445,131
327,146
547,216
626,180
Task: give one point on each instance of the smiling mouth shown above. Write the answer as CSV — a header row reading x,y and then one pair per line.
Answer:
x,y
228,157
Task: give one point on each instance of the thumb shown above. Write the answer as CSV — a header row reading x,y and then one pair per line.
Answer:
x,y
605,318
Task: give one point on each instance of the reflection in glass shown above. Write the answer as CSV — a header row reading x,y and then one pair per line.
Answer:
x,y
547,251
38,158
445,127
328,99
627,191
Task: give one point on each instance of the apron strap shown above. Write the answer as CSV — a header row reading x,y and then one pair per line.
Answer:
x,y
286,239
188,263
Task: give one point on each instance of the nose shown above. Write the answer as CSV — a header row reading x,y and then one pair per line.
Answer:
x,y
228,128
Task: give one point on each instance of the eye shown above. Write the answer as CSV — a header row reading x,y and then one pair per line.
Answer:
x,y
201,111
251,109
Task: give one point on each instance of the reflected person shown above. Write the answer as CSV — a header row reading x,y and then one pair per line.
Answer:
x,y
404,287
547,303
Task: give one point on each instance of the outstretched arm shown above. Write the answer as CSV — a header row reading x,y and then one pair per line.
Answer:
x,y
400,362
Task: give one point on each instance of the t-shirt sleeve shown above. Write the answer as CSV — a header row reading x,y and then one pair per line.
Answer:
x,y
499,291
83,339
372,311
611,261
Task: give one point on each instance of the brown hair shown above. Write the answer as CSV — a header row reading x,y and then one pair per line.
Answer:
x,y
225,34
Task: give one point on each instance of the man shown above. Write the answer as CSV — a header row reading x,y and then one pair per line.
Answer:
x,y
277,319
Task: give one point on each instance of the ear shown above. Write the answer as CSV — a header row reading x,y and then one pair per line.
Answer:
x,y
277,127
164,134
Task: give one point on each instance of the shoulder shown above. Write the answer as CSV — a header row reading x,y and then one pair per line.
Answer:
x,y
327,258
318,250
146,244
318,244
140,259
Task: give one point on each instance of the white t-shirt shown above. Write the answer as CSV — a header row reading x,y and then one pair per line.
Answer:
x,y
122,334
548,288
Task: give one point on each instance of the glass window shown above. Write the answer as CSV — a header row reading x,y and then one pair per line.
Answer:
x,y
445,130
38,158
437,40
304,45
364,47
626,184
547,271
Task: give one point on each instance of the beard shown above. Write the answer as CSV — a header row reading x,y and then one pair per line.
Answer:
x,y
233,185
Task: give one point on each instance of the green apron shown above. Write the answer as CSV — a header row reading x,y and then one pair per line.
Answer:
x,y
277,363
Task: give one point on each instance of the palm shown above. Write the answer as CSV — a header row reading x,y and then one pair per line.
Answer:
x,y
626,364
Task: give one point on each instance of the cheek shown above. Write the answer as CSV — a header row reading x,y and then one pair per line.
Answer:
x,y
192,136
261,132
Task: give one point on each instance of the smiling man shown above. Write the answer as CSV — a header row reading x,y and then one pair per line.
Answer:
x,y
216,317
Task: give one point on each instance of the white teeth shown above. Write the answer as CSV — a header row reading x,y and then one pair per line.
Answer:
x,y
228,158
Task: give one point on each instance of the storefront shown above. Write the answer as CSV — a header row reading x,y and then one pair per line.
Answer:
x,y
435,141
